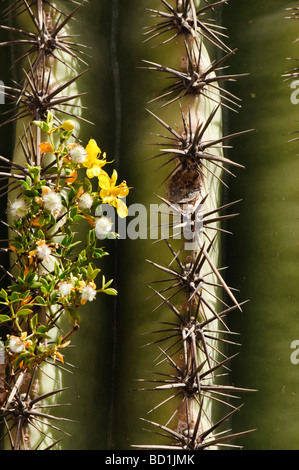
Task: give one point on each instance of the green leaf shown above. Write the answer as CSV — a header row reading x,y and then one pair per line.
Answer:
x,y
35,285
50,118
29,278
98,253
26,294
65,135
42,329
52,170
71,247
3,294
91,238
89,272
54,297
33,322
4,318
20,281
40,233
87,185
72,194
42,125
40,300
34,172
74,212
56,269
24,312
29,193
44,290
45,284
82,257
16,288
92,273
15,297
107,284
110,291
28,181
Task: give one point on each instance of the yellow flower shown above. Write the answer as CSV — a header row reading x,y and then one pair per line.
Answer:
x,y
35,222
111,194
72,178
92,162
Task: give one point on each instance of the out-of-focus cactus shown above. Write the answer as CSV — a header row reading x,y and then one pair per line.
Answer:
x,y
51,271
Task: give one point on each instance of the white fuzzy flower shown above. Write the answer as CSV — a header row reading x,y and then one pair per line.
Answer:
x,y
16,345
103,226
78,154
52,202
88,293
65,289
85,201
19,209
43,251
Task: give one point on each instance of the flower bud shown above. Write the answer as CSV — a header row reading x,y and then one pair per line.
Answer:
x,y
68,125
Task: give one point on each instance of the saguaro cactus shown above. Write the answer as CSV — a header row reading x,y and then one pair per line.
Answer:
x,y
191,290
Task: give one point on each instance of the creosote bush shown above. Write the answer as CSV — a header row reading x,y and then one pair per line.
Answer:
x,y
53,274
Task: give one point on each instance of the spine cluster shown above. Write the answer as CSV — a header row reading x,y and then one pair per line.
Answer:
x,y
193,290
